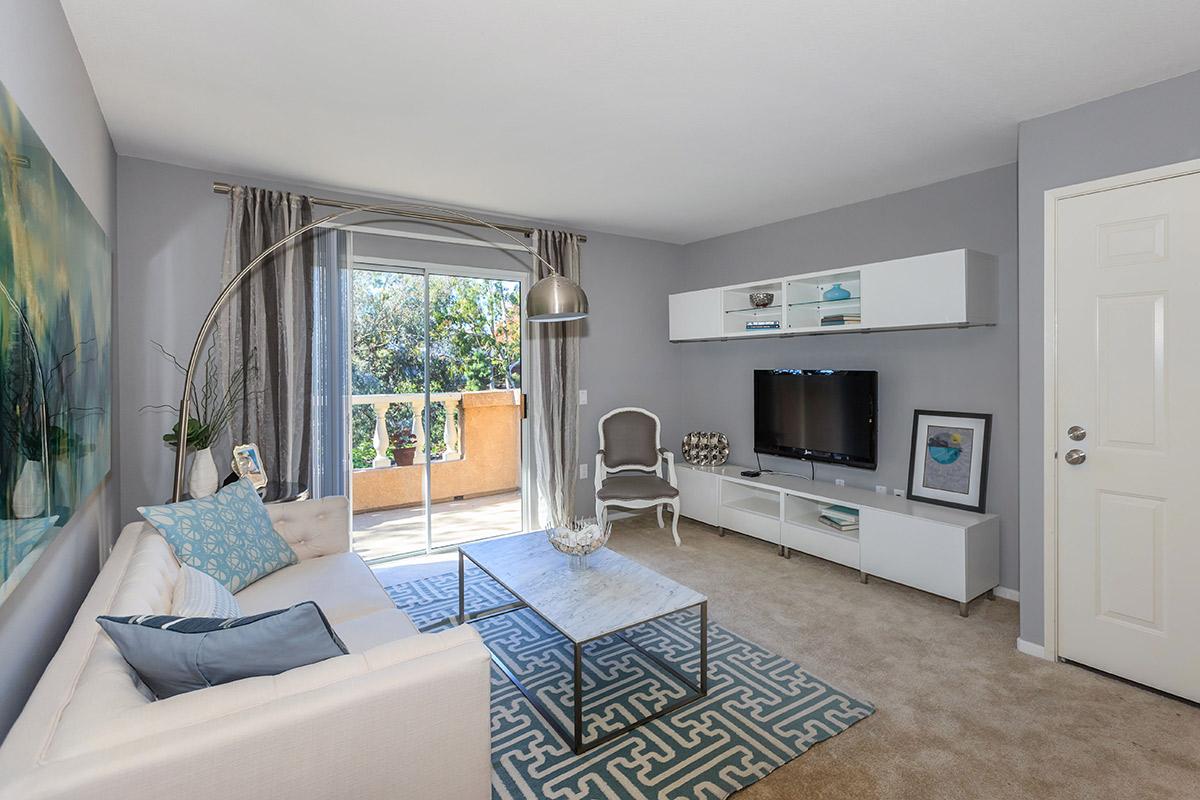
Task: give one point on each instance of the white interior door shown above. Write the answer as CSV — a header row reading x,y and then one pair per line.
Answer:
x,y
1128,339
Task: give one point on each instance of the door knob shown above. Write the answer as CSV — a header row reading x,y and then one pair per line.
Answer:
x,y
1075,457
1076,433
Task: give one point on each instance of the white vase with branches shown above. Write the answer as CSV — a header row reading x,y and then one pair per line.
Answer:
x,y
213,409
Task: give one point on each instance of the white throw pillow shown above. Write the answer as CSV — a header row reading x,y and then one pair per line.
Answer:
x,y
198,594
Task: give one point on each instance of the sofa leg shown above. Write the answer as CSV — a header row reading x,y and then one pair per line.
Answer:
x,y
962,609
721,531
991,594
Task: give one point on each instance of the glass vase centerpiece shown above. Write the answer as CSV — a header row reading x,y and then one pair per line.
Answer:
x,y
578,539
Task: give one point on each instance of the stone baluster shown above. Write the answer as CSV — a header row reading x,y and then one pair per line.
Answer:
x,y
453,429
381,442
418,427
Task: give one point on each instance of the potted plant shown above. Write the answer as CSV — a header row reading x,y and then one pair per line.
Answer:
x,y
404,447
211,413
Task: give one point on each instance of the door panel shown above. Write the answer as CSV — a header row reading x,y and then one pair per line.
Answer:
x,y
474,411
437,425
1128,322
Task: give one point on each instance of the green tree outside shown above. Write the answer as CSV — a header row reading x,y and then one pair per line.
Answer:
x,y
474,345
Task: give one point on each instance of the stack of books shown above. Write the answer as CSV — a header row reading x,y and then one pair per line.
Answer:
x,y
841,319
839,518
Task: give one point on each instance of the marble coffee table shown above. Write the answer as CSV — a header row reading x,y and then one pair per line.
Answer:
x,y
614,593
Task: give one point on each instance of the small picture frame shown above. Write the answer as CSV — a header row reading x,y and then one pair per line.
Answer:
x,y
248,464
948,461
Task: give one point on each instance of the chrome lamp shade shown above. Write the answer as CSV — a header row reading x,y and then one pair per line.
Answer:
x,y
556,299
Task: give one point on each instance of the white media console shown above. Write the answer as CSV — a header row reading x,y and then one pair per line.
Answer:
x,y
944,551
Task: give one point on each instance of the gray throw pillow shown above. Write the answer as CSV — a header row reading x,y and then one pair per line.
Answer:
x,y
173,655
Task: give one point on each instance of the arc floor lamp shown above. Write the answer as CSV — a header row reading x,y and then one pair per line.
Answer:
x,y
554,298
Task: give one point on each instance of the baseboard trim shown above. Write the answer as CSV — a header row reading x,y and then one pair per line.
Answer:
x,y
1031,649
1007,594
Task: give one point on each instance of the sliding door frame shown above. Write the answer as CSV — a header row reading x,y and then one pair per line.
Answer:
x,y
528,487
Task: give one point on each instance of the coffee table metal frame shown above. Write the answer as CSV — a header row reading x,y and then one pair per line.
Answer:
x,y
696,690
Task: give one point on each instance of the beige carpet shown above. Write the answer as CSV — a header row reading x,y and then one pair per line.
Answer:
x,y
961,714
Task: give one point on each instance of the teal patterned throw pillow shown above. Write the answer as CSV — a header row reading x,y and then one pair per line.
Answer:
x,y
228,535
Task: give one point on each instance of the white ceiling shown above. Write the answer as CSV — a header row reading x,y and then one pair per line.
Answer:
x,y
670,119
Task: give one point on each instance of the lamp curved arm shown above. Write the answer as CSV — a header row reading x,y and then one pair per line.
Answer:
x,y
236,281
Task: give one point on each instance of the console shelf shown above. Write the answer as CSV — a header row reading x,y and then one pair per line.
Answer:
x,y
952,289
944,551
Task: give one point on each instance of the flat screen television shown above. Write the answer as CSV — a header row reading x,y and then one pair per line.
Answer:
x,y
817,415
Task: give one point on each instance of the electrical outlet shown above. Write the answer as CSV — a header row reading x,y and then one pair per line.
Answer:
x,y
583,471
839,482
583,397
898,492
880,489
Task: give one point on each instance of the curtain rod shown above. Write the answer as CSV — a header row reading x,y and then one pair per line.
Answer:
x,y
225,188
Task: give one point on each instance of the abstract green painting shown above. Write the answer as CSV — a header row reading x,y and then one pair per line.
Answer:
x,y
55,347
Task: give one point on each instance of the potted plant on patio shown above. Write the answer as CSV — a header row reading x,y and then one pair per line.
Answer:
x,y
404,447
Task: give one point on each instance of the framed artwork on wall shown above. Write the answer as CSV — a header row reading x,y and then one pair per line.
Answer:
x,y
948,462
55,348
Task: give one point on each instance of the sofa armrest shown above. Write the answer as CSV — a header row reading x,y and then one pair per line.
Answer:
x,y
410,716
314,527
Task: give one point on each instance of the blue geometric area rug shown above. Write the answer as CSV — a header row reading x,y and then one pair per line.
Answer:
x,y
761,711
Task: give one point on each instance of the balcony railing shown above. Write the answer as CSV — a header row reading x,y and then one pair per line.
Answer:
x,y
482,435
452,426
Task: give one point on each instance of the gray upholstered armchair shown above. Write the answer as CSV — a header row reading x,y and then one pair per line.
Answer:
x,y
629,442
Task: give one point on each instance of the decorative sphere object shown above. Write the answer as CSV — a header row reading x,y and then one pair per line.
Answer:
x,y
706,448
578,539
761,299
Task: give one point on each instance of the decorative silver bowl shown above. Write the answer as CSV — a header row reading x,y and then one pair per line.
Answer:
x,y
578,539
761,299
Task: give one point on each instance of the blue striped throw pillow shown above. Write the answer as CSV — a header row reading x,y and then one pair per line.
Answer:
x,y
173,655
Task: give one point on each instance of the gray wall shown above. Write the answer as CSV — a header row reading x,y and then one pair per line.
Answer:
x,y
172,230
1148,127
963,370
41,67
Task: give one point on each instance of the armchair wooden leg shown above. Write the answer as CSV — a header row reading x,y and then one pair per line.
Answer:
x,y
675,520
658,509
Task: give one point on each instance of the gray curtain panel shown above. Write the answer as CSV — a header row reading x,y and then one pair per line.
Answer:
x,y
556,390
270,320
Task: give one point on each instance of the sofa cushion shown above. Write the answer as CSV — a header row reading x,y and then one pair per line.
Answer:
x,y
635,487
370,630
342,585
174,655
228,535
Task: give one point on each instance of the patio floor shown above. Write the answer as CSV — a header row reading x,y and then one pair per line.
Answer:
x,y
380,535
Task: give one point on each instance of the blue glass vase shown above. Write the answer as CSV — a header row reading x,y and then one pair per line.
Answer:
x,y
836,292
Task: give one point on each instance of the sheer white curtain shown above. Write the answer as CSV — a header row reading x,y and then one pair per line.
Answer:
x,y
556,395
331,365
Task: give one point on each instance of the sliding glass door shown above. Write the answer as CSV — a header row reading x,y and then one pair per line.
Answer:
x,y
437,429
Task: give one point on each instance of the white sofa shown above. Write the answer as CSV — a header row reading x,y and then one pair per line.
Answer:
x,y
404,715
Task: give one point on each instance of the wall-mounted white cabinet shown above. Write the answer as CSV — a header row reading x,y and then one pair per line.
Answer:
x,y
695,315
952,289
